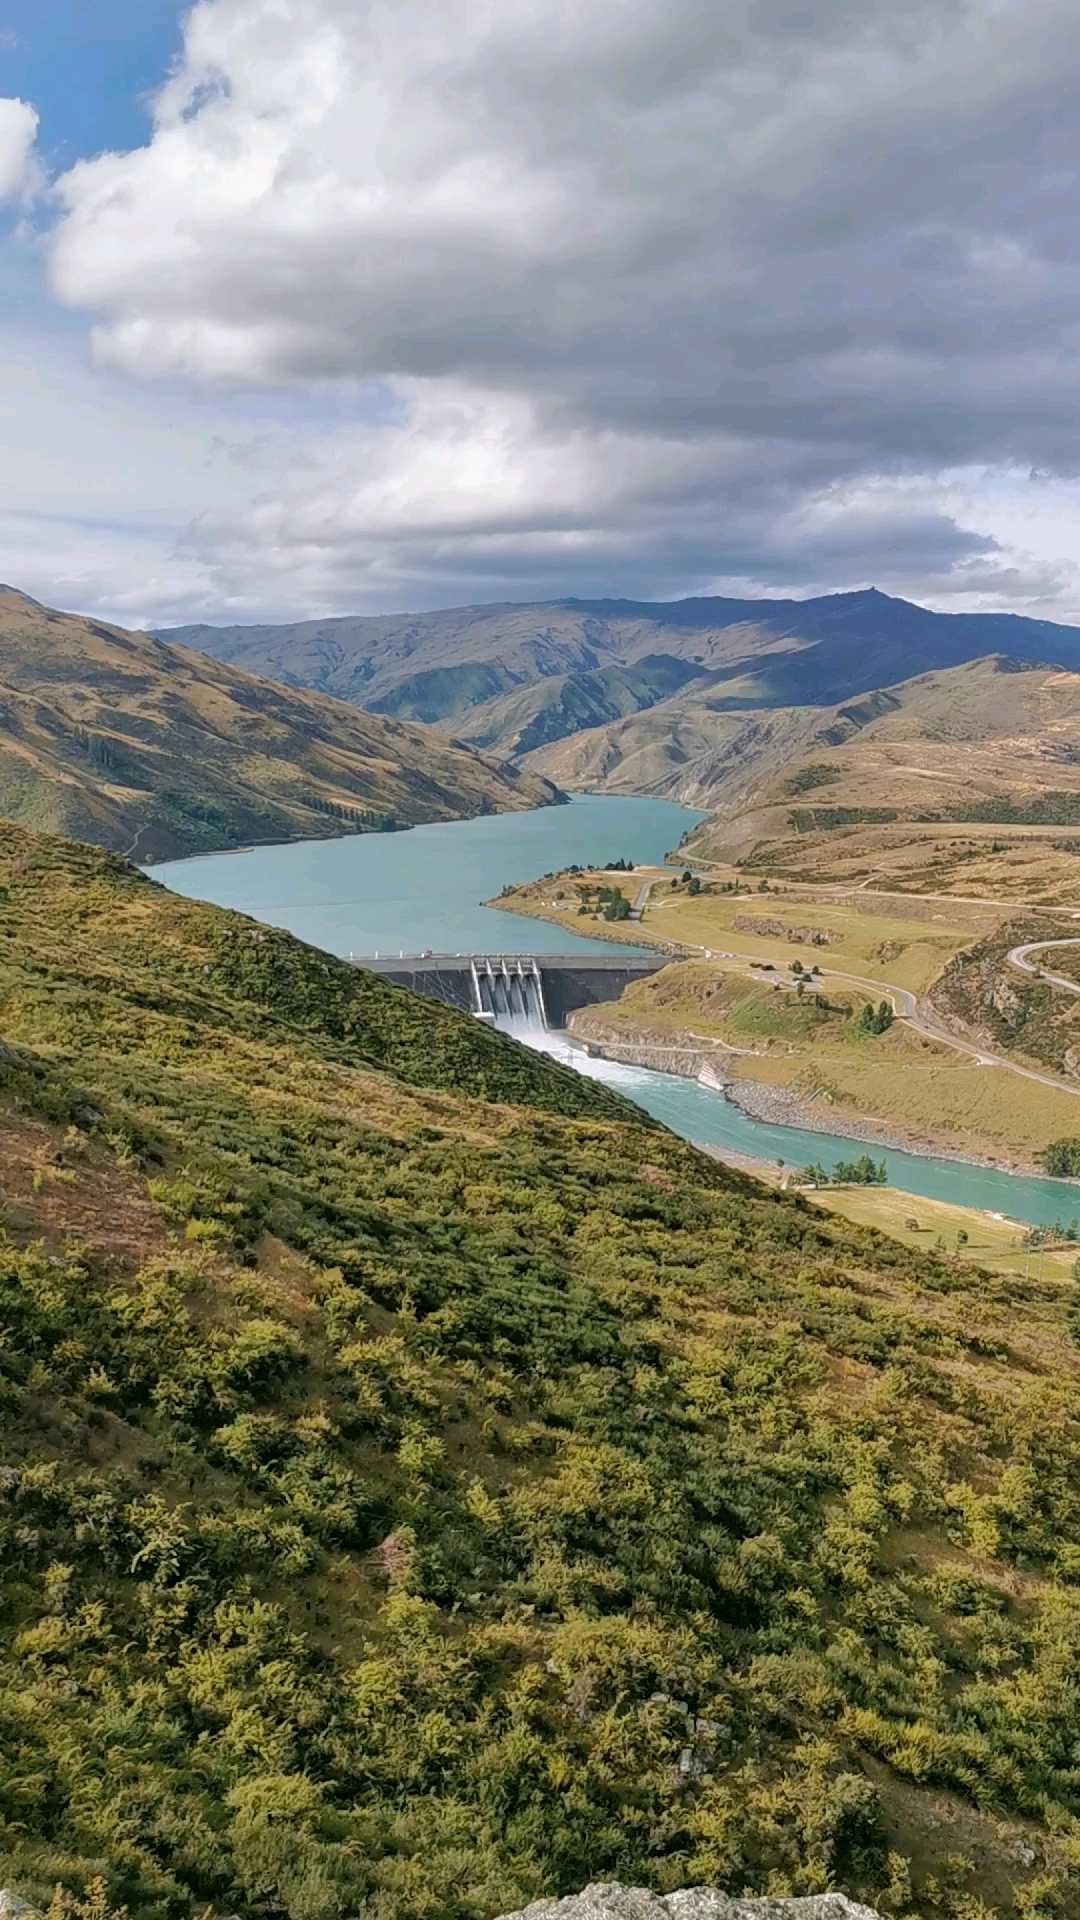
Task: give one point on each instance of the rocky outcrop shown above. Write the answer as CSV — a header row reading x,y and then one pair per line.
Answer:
x,y
609,1901
779,930
613,1902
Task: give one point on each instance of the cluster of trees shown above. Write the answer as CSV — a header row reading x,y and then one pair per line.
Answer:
x,y
359,819
806,779
608,902
875,1020
831,819
1062,1230
395,1492
1050,809
863,1172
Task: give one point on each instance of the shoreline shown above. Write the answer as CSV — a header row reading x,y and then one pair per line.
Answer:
x,y
693,1056
777,1106
562,798
358,833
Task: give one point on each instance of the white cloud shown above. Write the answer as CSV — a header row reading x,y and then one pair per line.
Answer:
x,y
638,296
18,133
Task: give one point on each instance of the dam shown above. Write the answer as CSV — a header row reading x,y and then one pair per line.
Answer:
x,y
537,990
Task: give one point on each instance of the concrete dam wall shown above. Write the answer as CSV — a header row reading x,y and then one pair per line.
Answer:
x,y
567,981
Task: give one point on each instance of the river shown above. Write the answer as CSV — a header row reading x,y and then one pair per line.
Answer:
x,y
384,893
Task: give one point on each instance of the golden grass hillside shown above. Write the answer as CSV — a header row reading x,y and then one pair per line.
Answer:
x,y
119,739
964,780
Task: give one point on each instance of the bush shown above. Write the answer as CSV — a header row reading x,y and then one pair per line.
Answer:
x,y
1062,1158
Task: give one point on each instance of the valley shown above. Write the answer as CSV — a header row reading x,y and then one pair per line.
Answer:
x,y
372,896
539,1006
767,992
909,819
386,1362
517,677
856,738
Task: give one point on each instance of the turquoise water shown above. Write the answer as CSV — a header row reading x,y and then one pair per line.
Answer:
x,y
711,1121
381,893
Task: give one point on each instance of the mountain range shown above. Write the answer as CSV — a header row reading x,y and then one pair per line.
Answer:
x,y
156,750
514,679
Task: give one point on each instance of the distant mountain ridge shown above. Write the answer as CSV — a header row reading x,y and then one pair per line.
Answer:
x,y
154,750
514,678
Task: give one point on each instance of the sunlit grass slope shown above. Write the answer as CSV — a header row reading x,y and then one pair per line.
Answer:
x,y
118,739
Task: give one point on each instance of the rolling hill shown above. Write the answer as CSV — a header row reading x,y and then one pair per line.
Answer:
x,y
425,1486
708,755
144,747
966,780
516,677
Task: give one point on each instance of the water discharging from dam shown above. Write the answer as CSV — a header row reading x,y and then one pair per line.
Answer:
x,y
510,993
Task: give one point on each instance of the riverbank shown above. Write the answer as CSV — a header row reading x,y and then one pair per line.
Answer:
x,y
744,988
696,1108
419,890
528,902
694,1057
972,1236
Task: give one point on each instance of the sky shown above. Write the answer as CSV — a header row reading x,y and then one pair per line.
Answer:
x,y
326,306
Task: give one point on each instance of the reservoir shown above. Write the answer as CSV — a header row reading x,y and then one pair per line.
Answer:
x,y
379,893
387,893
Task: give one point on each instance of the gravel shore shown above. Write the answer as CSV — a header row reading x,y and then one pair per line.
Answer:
x,y
777,1106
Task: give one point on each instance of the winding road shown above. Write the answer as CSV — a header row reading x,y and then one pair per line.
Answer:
x,y
1019,957
920,1016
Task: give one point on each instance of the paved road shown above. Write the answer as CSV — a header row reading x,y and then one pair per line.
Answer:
x,y
920,1016
922,1019
1019,957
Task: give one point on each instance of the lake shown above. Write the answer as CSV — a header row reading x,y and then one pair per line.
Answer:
x,y
384,893
379,893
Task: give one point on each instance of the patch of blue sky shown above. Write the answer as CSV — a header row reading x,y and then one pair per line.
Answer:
x,y
89,67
